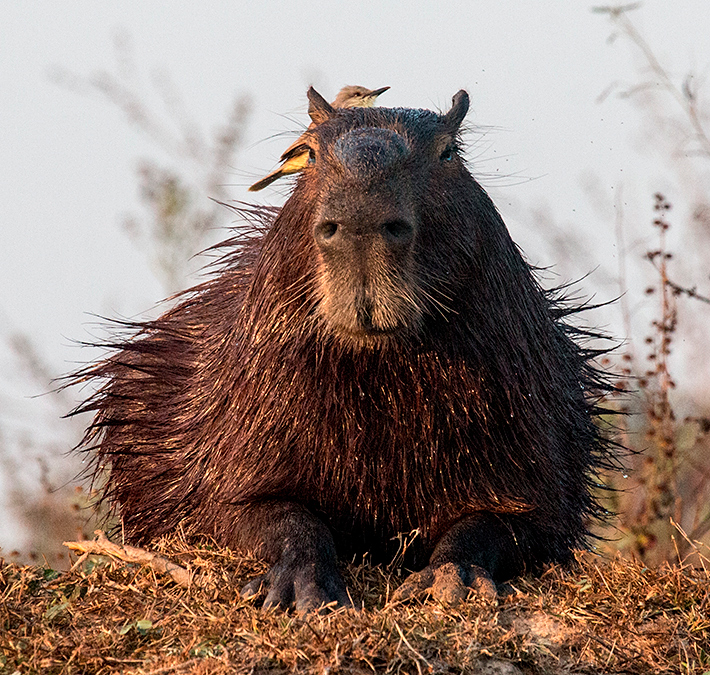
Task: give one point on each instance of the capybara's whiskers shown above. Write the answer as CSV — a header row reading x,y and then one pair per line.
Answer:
x,y
374,358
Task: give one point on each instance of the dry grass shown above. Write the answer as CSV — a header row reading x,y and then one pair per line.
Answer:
x,y
110,616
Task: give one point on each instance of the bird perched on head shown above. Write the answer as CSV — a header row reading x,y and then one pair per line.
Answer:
x,y
357,97
295,157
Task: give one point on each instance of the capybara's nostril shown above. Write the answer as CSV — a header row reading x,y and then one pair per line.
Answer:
x,y
326,231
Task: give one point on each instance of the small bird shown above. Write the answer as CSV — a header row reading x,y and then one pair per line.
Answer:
x,y
295,157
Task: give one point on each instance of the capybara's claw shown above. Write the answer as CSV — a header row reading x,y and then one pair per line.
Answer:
x,y
299,587
449,583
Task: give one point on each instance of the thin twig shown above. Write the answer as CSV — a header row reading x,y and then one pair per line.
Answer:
x,y
414,651
690,292
102,546
683,95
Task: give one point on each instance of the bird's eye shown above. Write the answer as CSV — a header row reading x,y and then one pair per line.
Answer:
x,y
311,156
447,155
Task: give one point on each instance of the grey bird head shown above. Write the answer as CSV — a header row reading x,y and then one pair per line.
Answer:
x,y
357,97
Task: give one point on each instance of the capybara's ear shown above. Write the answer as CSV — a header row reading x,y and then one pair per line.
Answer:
x,y
459,108
318,108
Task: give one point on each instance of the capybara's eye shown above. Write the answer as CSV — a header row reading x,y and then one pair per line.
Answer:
x,y
447,155
311,156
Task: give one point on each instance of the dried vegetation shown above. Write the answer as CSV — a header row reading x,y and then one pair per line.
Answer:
x,y
107,615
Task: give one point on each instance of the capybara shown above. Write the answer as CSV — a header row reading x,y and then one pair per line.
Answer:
x,y
374,358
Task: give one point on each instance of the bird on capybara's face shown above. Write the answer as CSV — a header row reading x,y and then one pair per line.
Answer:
x,y
378,359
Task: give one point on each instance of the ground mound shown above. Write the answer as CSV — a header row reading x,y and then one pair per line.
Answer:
x,y
107,615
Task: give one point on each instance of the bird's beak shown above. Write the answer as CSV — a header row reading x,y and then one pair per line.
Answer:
x,y
376,92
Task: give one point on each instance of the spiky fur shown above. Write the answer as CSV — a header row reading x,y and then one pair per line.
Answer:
x,y
244,394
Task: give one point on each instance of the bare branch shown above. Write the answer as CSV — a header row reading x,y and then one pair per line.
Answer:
x,y
102,546
685,95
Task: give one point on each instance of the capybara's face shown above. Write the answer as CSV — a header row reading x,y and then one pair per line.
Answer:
x,y
385,230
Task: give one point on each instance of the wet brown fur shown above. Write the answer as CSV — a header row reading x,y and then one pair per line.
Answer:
x,y
258,387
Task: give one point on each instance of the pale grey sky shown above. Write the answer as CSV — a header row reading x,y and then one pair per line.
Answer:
x,y
534,71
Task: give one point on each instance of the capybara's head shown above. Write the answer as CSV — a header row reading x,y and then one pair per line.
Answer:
x,y
388,234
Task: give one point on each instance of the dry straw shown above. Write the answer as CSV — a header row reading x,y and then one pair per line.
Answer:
x,y
107,615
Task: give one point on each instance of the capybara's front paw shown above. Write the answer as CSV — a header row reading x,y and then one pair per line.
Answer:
x,y
449,583
307,587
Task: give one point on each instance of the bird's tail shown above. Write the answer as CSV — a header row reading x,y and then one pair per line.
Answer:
x,y
265,181
293,164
